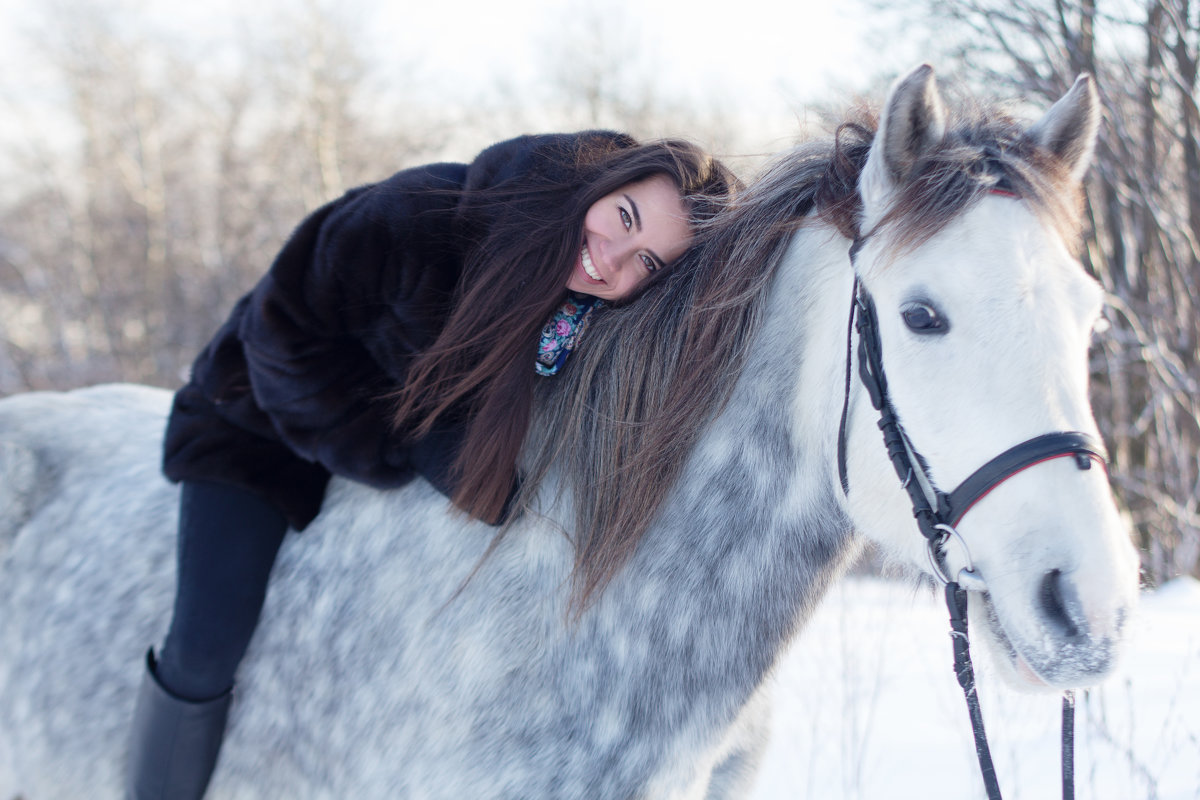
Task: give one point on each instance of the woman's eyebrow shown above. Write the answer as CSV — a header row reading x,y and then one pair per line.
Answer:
x,y
637,218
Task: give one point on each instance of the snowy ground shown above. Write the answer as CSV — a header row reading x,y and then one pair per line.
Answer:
x,y
867,707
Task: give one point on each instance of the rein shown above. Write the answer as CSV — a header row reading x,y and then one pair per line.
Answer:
x,y
937,513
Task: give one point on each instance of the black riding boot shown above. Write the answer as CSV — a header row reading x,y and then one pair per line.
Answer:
x,y
175,742
228,539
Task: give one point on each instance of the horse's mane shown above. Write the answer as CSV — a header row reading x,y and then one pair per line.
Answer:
x,y
619,422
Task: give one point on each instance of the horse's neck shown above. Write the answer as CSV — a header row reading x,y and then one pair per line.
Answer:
x,y
817,280
795,374
756,507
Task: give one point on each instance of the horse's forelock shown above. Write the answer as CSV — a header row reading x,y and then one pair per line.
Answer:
x,y
981,154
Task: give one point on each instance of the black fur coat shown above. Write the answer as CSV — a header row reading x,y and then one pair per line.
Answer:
x,y
291,387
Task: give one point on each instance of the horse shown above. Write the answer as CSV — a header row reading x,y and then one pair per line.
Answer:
x,y
406,650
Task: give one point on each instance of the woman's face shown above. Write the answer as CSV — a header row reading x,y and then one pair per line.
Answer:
x,y
627,235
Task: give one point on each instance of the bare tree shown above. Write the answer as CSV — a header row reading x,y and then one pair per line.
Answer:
x,y
130,237
95,228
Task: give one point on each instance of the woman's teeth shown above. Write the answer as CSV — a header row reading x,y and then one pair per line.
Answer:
x,y
588,266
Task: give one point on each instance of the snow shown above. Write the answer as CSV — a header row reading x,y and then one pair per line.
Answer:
x,y
867,706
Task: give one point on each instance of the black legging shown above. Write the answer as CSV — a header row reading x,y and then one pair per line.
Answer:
x,y
228,539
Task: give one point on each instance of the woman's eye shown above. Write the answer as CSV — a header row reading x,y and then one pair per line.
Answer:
x,y
626,220
649,263
924,319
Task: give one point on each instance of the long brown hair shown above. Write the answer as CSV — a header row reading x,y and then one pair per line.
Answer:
x,y
522,239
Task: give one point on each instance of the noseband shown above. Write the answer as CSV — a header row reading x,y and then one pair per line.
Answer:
x,y
937,512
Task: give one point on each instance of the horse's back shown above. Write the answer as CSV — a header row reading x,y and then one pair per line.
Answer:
x,y
353,660
85,568
390,659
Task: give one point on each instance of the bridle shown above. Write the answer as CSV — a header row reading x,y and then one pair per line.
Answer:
x,y
937,513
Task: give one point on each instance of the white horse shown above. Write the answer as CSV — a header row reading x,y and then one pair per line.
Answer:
x,y
394,660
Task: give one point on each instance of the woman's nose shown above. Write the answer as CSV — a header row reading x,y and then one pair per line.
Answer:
x,y
617,255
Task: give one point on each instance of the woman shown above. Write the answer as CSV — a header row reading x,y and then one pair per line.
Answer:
x,y
396,334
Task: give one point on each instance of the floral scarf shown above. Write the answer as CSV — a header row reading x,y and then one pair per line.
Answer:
x,y
563,331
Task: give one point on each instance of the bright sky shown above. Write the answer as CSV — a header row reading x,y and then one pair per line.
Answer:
x,y
752,45
747,44
768,57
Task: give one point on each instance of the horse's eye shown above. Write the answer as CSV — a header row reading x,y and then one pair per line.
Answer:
x,y
924,319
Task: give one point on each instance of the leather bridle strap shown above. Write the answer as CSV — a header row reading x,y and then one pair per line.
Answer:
x,y
937,512
1083,448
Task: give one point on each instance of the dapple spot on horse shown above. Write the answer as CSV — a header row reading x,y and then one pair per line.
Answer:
x,y
393,660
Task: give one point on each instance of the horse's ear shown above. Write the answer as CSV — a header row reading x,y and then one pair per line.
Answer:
x,y
1068,130
913,123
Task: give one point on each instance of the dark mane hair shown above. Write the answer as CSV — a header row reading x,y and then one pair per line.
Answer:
x,y
619,423
524,238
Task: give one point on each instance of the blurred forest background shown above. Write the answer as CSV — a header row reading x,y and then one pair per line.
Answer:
x,y
147,178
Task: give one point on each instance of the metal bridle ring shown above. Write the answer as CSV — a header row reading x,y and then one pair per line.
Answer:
x,y
968,578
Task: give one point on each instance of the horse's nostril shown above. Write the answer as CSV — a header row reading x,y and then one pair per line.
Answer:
x,y
1056,598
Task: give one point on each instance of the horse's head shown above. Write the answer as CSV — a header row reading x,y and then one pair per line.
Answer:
x,y
984,318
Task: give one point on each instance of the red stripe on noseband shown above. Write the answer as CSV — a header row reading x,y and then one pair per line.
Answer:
x,y
1092,456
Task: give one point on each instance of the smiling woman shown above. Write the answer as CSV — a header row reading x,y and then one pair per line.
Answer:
x,y
628,236
395,335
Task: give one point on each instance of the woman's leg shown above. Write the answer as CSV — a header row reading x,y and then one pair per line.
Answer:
x,y
228,539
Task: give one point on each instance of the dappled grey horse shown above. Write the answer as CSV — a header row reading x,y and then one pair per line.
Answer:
x,y
399,657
